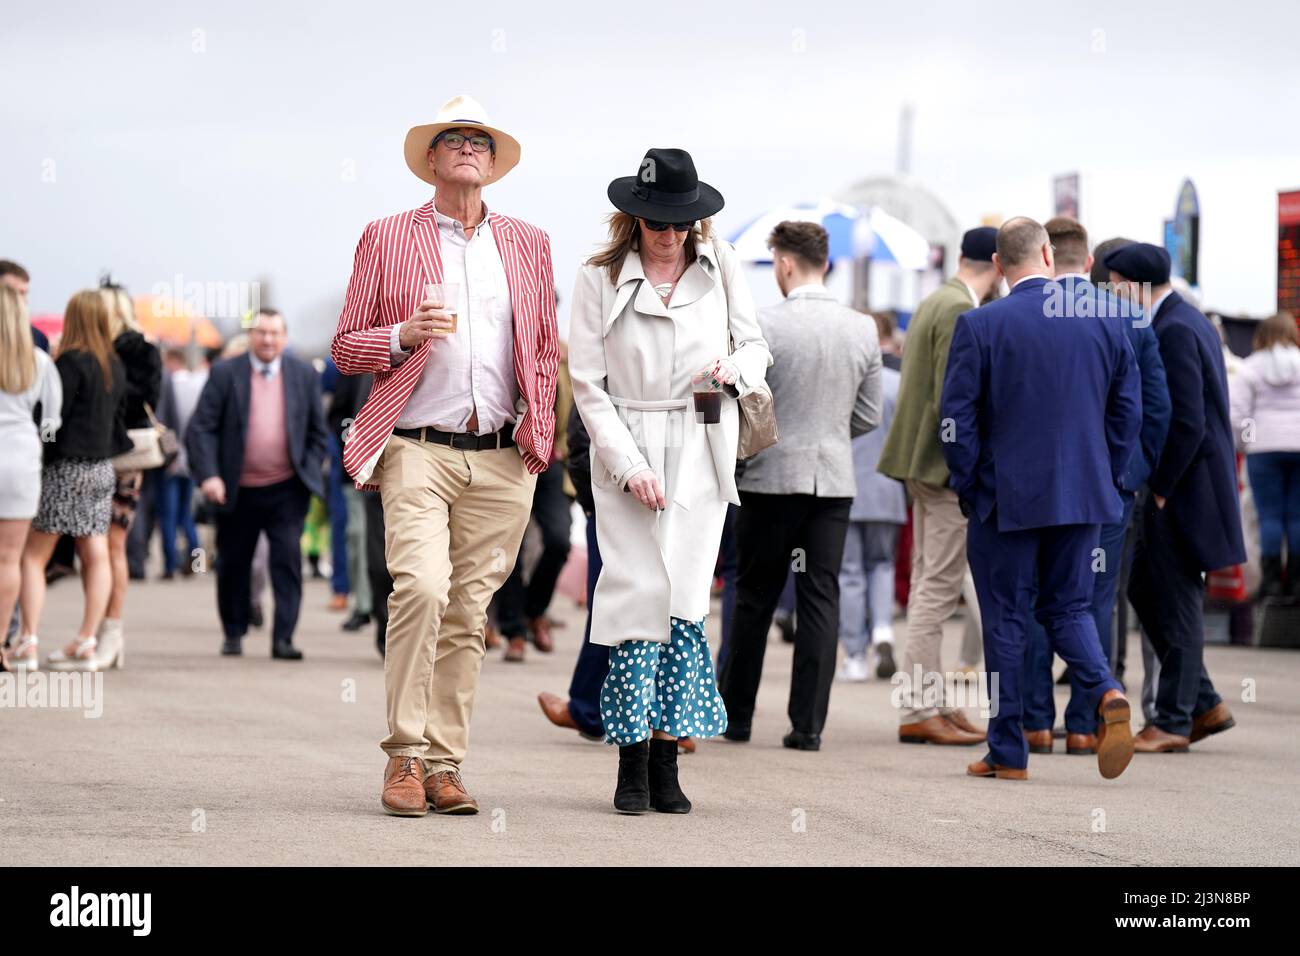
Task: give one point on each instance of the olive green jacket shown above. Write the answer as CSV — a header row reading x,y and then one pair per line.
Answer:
x,y
912,449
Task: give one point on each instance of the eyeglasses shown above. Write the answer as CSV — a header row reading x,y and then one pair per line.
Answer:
x,y
479,142
663,226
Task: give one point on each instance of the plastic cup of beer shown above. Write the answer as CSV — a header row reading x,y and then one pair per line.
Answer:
x,y
446,297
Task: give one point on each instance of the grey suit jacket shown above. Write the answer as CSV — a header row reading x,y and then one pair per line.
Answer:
x,y
825,381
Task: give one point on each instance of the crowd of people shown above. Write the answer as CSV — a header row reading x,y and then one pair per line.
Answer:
x,y
1054,436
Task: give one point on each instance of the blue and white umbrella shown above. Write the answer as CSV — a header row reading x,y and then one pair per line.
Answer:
x,y
853,234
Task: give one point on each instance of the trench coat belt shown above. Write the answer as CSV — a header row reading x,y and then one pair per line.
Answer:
x,y
654,439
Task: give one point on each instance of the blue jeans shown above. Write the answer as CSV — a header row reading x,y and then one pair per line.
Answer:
x,y
866,582
174,507
1275,481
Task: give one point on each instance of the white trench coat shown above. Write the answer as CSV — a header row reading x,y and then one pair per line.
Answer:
x,y
631,360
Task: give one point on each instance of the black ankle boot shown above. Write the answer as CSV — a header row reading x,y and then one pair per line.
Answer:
x,y
665,794
633,793
1271,584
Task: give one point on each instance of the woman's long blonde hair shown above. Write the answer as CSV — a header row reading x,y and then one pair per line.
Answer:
x,y
17,353
121,311
625,237
86,329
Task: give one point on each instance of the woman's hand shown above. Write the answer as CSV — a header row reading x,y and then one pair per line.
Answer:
x,y
644,487
714,376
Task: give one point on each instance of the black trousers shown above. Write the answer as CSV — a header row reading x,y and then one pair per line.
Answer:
x,y
279,510
381,582
1168,595
519,603
775,534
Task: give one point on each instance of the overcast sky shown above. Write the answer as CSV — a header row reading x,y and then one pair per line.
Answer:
x,y
224,142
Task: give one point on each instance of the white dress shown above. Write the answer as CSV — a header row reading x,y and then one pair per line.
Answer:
x,y
21,439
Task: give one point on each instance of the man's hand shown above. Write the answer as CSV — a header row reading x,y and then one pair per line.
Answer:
x,y
426,323
645,488
214,489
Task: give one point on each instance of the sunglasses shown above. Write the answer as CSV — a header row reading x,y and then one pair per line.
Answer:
x,y
662,226
479,142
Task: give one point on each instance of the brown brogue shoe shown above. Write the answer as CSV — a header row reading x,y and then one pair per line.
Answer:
x,y
1214,721
556,709
542,639
1115,744
982,768
446,793
1040,741
936,730
1080,744
403,794
959,720
1153,740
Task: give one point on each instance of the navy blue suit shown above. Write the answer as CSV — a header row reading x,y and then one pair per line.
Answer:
x,y
215,441
1039,701
1039,416
1199,529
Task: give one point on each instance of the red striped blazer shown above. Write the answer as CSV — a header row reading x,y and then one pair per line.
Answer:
x,y
395,258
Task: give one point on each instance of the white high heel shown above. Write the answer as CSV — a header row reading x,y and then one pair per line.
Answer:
x,y
25,655
81,657
111,653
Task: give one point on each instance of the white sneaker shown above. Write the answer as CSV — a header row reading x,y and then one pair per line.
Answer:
x,y
854,669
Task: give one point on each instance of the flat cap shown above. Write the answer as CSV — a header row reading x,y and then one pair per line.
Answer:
x,y
1140,262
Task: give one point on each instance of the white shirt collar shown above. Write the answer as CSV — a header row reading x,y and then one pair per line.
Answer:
x,y
974,299
812,288
1073,275
448,224
1155,306
259,366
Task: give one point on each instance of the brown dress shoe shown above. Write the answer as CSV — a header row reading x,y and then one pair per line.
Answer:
x,y
403,794
1115,742
1214,721
446,793
1153,740
556,709
982,768
1080,744
1040,741
541,628
959,720
936,730
338,602
515,650
685,745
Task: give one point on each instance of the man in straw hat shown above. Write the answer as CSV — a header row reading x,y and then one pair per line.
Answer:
x,y
452,308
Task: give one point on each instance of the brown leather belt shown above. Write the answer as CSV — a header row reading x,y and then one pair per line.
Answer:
x,y
464,441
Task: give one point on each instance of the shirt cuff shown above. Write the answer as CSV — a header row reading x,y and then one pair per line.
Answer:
x,y
397,355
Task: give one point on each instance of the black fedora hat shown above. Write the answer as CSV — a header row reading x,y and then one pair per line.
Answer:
x,y
666,189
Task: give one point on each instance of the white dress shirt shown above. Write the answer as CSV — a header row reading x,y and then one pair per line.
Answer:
x,y
474,367
262,368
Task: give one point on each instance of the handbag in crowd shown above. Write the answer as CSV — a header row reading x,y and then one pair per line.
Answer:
x,y
757,411
153,446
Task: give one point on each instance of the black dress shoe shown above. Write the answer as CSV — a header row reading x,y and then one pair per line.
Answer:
x,y
232,647
798,740
285,652
255,616
739,734
356,622
885,667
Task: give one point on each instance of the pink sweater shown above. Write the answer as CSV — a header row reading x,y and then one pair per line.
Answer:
x,y
266,447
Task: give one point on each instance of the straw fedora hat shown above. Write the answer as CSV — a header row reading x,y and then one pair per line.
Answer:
x,y
456,112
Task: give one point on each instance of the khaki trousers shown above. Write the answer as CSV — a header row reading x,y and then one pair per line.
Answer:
x,y
453,521
938,570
